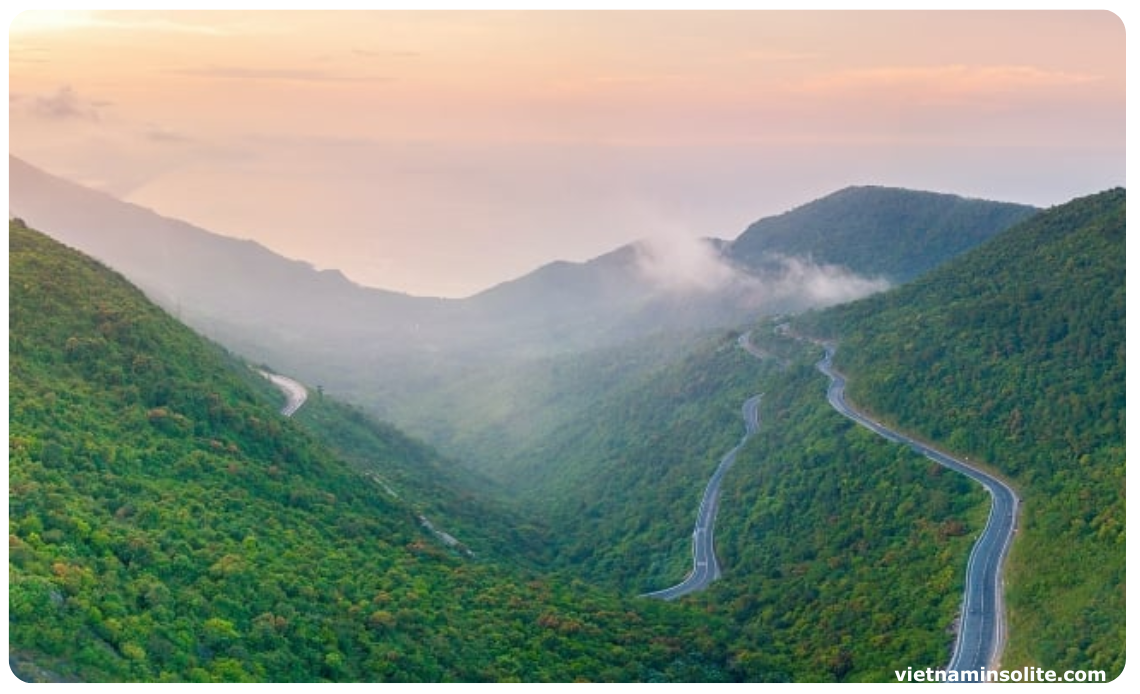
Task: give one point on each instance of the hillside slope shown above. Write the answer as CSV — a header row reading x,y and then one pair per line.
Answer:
x,y
167,524
1014,354
465,505
841,554
873,230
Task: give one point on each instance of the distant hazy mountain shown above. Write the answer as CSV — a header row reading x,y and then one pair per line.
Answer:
x,y
380,346
226,285
637,289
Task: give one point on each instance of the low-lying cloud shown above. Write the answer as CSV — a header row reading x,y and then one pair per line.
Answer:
x,y
687,265
680,263
800,280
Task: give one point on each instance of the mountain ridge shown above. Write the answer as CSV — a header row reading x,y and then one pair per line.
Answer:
x,y
901,250
385,351
121,233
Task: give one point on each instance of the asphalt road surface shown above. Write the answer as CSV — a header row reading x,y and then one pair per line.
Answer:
x,y
295,393
981,627
705,567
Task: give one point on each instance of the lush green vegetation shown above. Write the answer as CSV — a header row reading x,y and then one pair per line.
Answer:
x,y
843,555
823,523
456,500
1014,355
619,483
843,552
166,524
892,232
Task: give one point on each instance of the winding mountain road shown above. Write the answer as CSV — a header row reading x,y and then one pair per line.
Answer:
x,y
981,627
705,567
295,393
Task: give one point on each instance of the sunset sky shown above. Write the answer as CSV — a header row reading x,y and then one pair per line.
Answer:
x,y
441,153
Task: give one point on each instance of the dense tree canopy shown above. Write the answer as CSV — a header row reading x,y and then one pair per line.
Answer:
x,y
165,523
873,230
1013,354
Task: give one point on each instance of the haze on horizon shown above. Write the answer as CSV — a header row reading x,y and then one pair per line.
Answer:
x,y
441,153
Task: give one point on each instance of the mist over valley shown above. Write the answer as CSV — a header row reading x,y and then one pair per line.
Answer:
x,y
577,408
442,347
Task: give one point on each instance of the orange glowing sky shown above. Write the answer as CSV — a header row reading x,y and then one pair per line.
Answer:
x,y
439,153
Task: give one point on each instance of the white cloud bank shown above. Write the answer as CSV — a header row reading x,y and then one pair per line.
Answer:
x,y
684,264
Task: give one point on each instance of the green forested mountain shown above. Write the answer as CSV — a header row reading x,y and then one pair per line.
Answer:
x,y
844,553
874,230
841,554
1013,354
167,524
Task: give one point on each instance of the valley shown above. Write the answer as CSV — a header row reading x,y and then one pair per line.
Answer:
x,y
382,346
428,364
566,475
